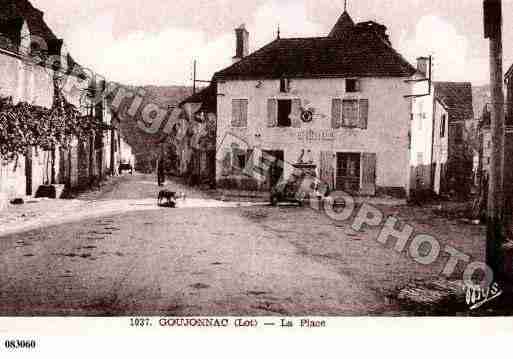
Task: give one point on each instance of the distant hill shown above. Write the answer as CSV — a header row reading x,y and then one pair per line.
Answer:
x,y
168,95
143,144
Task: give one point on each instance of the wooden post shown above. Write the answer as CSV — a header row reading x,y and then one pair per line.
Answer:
x,y
495,230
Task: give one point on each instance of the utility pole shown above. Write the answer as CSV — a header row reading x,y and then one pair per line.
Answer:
x,y
495,213
194,78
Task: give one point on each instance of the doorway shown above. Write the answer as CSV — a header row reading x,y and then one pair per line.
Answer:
x,y
348,172
28,171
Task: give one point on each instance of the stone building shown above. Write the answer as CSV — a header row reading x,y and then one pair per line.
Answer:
x,y
33,62
339,103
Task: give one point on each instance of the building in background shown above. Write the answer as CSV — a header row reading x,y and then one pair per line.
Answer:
x,y
37,70
197,147
442,148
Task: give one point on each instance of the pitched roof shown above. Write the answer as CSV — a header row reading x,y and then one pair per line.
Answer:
x,y
456,97
361,50
15,9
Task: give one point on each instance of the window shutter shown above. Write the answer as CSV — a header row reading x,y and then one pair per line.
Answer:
x,y
336,113
236,112
327,170
272,113
364,114
295,114
244,113
369,161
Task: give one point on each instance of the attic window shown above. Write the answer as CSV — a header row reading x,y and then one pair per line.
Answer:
x,y
352,85
284,85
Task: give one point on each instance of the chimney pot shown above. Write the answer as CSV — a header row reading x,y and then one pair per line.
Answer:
x,y
242,43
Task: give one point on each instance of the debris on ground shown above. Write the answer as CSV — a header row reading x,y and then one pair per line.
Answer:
x,y
433,298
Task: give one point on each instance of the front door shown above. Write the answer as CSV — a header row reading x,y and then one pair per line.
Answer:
x,y
348,172
28,172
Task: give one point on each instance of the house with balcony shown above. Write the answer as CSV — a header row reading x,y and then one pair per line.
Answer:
x,y
339,105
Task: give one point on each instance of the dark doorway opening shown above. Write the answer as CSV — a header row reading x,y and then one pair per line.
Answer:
x,y
284,111
28,172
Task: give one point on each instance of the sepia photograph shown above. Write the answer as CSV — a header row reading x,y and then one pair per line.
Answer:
x,y
255,164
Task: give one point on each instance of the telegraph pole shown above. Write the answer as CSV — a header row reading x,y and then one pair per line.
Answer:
x,y
495,214
194,78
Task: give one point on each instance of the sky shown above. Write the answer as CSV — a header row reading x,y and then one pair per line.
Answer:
x,y
154,42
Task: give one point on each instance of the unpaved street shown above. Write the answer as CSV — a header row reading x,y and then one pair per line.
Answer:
x,y
204,258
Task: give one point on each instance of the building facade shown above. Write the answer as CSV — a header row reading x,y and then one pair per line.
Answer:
x,y
442,155
338,103
36,69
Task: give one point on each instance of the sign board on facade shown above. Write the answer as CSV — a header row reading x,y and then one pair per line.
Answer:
x,y
316,135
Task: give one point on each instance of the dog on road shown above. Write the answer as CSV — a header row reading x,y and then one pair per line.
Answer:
x,y
169,196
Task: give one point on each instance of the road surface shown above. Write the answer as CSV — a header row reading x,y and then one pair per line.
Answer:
x,y
206,258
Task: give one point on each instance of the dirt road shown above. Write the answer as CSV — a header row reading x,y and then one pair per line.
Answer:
x,y
205,258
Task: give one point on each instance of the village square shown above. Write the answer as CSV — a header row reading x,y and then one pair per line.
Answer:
x,y
310,176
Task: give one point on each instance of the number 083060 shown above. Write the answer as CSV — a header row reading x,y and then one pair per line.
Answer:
x,y
20,344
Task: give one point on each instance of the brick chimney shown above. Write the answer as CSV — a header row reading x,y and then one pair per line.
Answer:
x,y
242,43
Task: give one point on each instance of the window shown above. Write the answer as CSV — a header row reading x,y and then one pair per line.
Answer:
x,y
489,144
443,123
284,85
350,113
240,113
352,85
284,112
420,121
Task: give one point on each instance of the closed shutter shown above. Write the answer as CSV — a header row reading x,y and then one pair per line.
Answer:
x,y
227,162
369,161
236,113
272,113
244,113
295,114
336,113
327,169
364,114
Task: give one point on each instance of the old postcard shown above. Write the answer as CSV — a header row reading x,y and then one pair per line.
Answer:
x,y
257,165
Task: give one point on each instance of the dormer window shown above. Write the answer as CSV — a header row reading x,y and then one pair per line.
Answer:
x,y
284,85
352,85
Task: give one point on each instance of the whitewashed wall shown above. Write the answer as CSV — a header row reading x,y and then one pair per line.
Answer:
x,y
386,135
27,82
